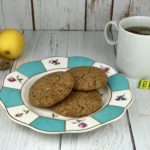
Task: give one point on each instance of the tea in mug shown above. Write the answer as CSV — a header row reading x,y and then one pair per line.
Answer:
x,y
139,30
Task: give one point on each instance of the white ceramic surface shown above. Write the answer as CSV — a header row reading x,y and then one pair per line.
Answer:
x,y
133,50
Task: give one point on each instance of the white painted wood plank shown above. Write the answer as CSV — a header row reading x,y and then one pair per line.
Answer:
x,y
59,14
139,114
39,45
120,10
16,137
140,7
110,137
16,14
91,44
2,26
98,14
115,136
127,8
43,44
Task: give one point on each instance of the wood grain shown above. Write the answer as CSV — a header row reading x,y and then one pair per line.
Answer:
x,y
120,10
2,24
140,7
68,14
110,137
98,14
127,8
15,14
91,44
139,114
59,14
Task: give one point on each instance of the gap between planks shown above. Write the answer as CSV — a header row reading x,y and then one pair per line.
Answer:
x,y
33,16
85,17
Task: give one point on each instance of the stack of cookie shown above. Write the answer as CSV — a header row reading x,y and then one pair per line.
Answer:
x,y
72,93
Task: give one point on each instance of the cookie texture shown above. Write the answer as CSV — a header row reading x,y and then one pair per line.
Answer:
x,y
79,104
88,78
51,89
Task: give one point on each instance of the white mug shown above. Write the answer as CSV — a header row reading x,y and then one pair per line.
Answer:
x,y
133,50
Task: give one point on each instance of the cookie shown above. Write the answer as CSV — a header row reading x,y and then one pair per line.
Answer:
x,y
88,78
51,89
79,104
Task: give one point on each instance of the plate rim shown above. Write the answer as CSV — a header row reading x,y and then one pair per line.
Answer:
x,y
65,131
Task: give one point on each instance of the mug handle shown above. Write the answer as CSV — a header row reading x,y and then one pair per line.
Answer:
x,y
108,39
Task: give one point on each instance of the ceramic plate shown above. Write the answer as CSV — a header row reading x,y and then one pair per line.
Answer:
x,y
14,97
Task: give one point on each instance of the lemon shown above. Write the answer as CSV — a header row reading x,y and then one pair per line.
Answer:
x,y
12,43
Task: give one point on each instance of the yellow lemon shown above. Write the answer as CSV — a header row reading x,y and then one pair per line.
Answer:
x,y
12,43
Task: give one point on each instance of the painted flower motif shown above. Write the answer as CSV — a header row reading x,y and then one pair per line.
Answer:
x,y
54,61
19,114
54,115
121,97
19,79
105,69
23,113
12,79
80,123
26,111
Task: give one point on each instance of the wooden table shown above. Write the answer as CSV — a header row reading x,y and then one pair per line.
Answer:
x,y
131,132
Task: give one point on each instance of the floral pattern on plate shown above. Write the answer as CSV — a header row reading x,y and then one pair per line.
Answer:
x,y
80,124
22,113
105,68
15,80
55,63
121,98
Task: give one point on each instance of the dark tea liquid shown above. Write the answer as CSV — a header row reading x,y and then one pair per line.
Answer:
x,y
139,30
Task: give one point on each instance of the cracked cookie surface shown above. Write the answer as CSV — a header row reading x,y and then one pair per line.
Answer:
x,y
51,89
88,78
79,104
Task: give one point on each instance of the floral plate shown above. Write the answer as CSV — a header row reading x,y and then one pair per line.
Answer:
x,y
14,97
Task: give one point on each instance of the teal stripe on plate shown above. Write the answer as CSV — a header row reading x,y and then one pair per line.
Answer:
x,y
10,97
47,124
32,68
77,61
108,113
118,82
